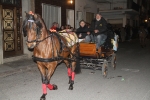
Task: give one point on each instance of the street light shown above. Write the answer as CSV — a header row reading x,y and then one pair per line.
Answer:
x,y
70,1
146,20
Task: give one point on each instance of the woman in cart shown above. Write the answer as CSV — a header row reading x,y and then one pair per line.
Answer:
x,y
83,32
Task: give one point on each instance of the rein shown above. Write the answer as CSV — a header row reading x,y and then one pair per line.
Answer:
x,y
37,31
36,40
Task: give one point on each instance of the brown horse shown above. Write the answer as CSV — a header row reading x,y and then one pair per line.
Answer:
x,y
142,36
49,49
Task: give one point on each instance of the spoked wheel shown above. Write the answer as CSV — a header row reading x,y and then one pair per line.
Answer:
x,y
105,68
113,61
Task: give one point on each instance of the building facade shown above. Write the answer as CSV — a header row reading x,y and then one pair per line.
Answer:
x,y
84,10
116,12
12,43
120,12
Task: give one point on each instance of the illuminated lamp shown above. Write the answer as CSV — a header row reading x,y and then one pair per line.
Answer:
x,y
145,20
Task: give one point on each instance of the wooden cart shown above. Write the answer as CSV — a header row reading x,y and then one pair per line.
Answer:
x,y
97,59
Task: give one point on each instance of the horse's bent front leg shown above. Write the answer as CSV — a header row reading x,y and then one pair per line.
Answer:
x,y
45,81
51,69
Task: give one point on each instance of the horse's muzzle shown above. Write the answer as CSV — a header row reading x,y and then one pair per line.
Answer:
x,y
31,45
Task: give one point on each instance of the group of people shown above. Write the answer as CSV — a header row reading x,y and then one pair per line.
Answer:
x,y
95,32
55,26
128,32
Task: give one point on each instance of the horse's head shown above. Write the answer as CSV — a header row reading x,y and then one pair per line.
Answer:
x,y
32,26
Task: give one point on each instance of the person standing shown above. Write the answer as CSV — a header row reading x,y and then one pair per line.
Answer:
x,y
99,28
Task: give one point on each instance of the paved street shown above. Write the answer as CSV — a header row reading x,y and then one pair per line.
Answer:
x,y
130,80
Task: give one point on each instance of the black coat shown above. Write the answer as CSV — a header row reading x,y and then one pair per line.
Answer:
x,y
83,31
100,25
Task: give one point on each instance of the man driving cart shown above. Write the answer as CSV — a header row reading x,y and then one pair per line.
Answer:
x,y
99,30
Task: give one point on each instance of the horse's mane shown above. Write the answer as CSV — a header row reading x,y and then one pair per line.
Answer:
x,y
24,26
39,22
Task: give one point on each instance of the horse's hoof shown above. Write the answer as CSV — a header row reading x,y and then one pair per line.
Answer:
x,y
69,82
43,97
55,87
70,88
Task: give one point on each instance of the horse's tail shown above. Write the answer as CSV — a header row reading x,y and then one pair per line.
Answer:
x,y
78,68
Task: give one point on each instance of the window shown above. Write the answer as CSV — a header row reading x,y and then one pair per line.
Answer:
x,y
89,17
12,2
50,14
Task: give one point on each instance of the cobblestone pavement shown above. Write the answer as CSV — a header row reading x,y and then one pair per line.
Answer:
x,y
21,80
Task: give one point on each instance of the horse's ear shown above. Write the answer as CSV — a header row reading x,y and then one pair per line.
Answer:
x,y
38,20
27,15
24,28
24,24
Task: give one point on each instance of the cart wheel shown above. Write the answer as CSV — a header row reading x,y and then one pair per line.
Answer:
x,y
105,68
113,61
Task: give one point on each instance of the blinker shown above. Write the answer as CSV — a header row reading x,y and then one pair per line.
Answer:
x,y
31,18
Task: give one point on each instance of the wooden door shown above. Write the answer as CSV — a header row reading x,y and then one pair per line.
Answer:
x,y
12,37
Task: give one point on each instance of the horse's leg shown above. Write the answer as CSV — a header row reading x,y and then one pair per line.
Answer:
x,y
68,69
51,68
44,81
46,78
73,65
71,73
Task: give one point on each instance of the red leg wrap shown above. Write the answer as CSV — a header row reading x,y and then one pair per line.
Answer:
x,y
73,76
50,86
69,71
44,88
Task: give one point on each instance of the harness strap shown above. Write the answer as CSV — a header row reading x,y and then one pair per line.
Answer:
x,y
60,40
51,59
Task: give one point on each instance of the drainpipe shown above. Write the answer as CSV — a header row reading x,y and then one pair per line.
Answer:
x,y
27,5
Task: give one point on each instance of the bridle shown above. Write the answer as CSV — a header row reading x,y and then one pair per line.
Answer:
x,y
38,33
37,30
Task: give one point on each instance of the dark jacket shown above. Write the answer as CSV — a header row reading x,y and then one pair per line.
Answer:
x,y
83,31
100,25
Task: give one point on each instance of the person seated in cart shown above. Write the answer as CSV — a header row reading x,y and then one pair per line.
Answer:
x,y
99,30
83,32
54,27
